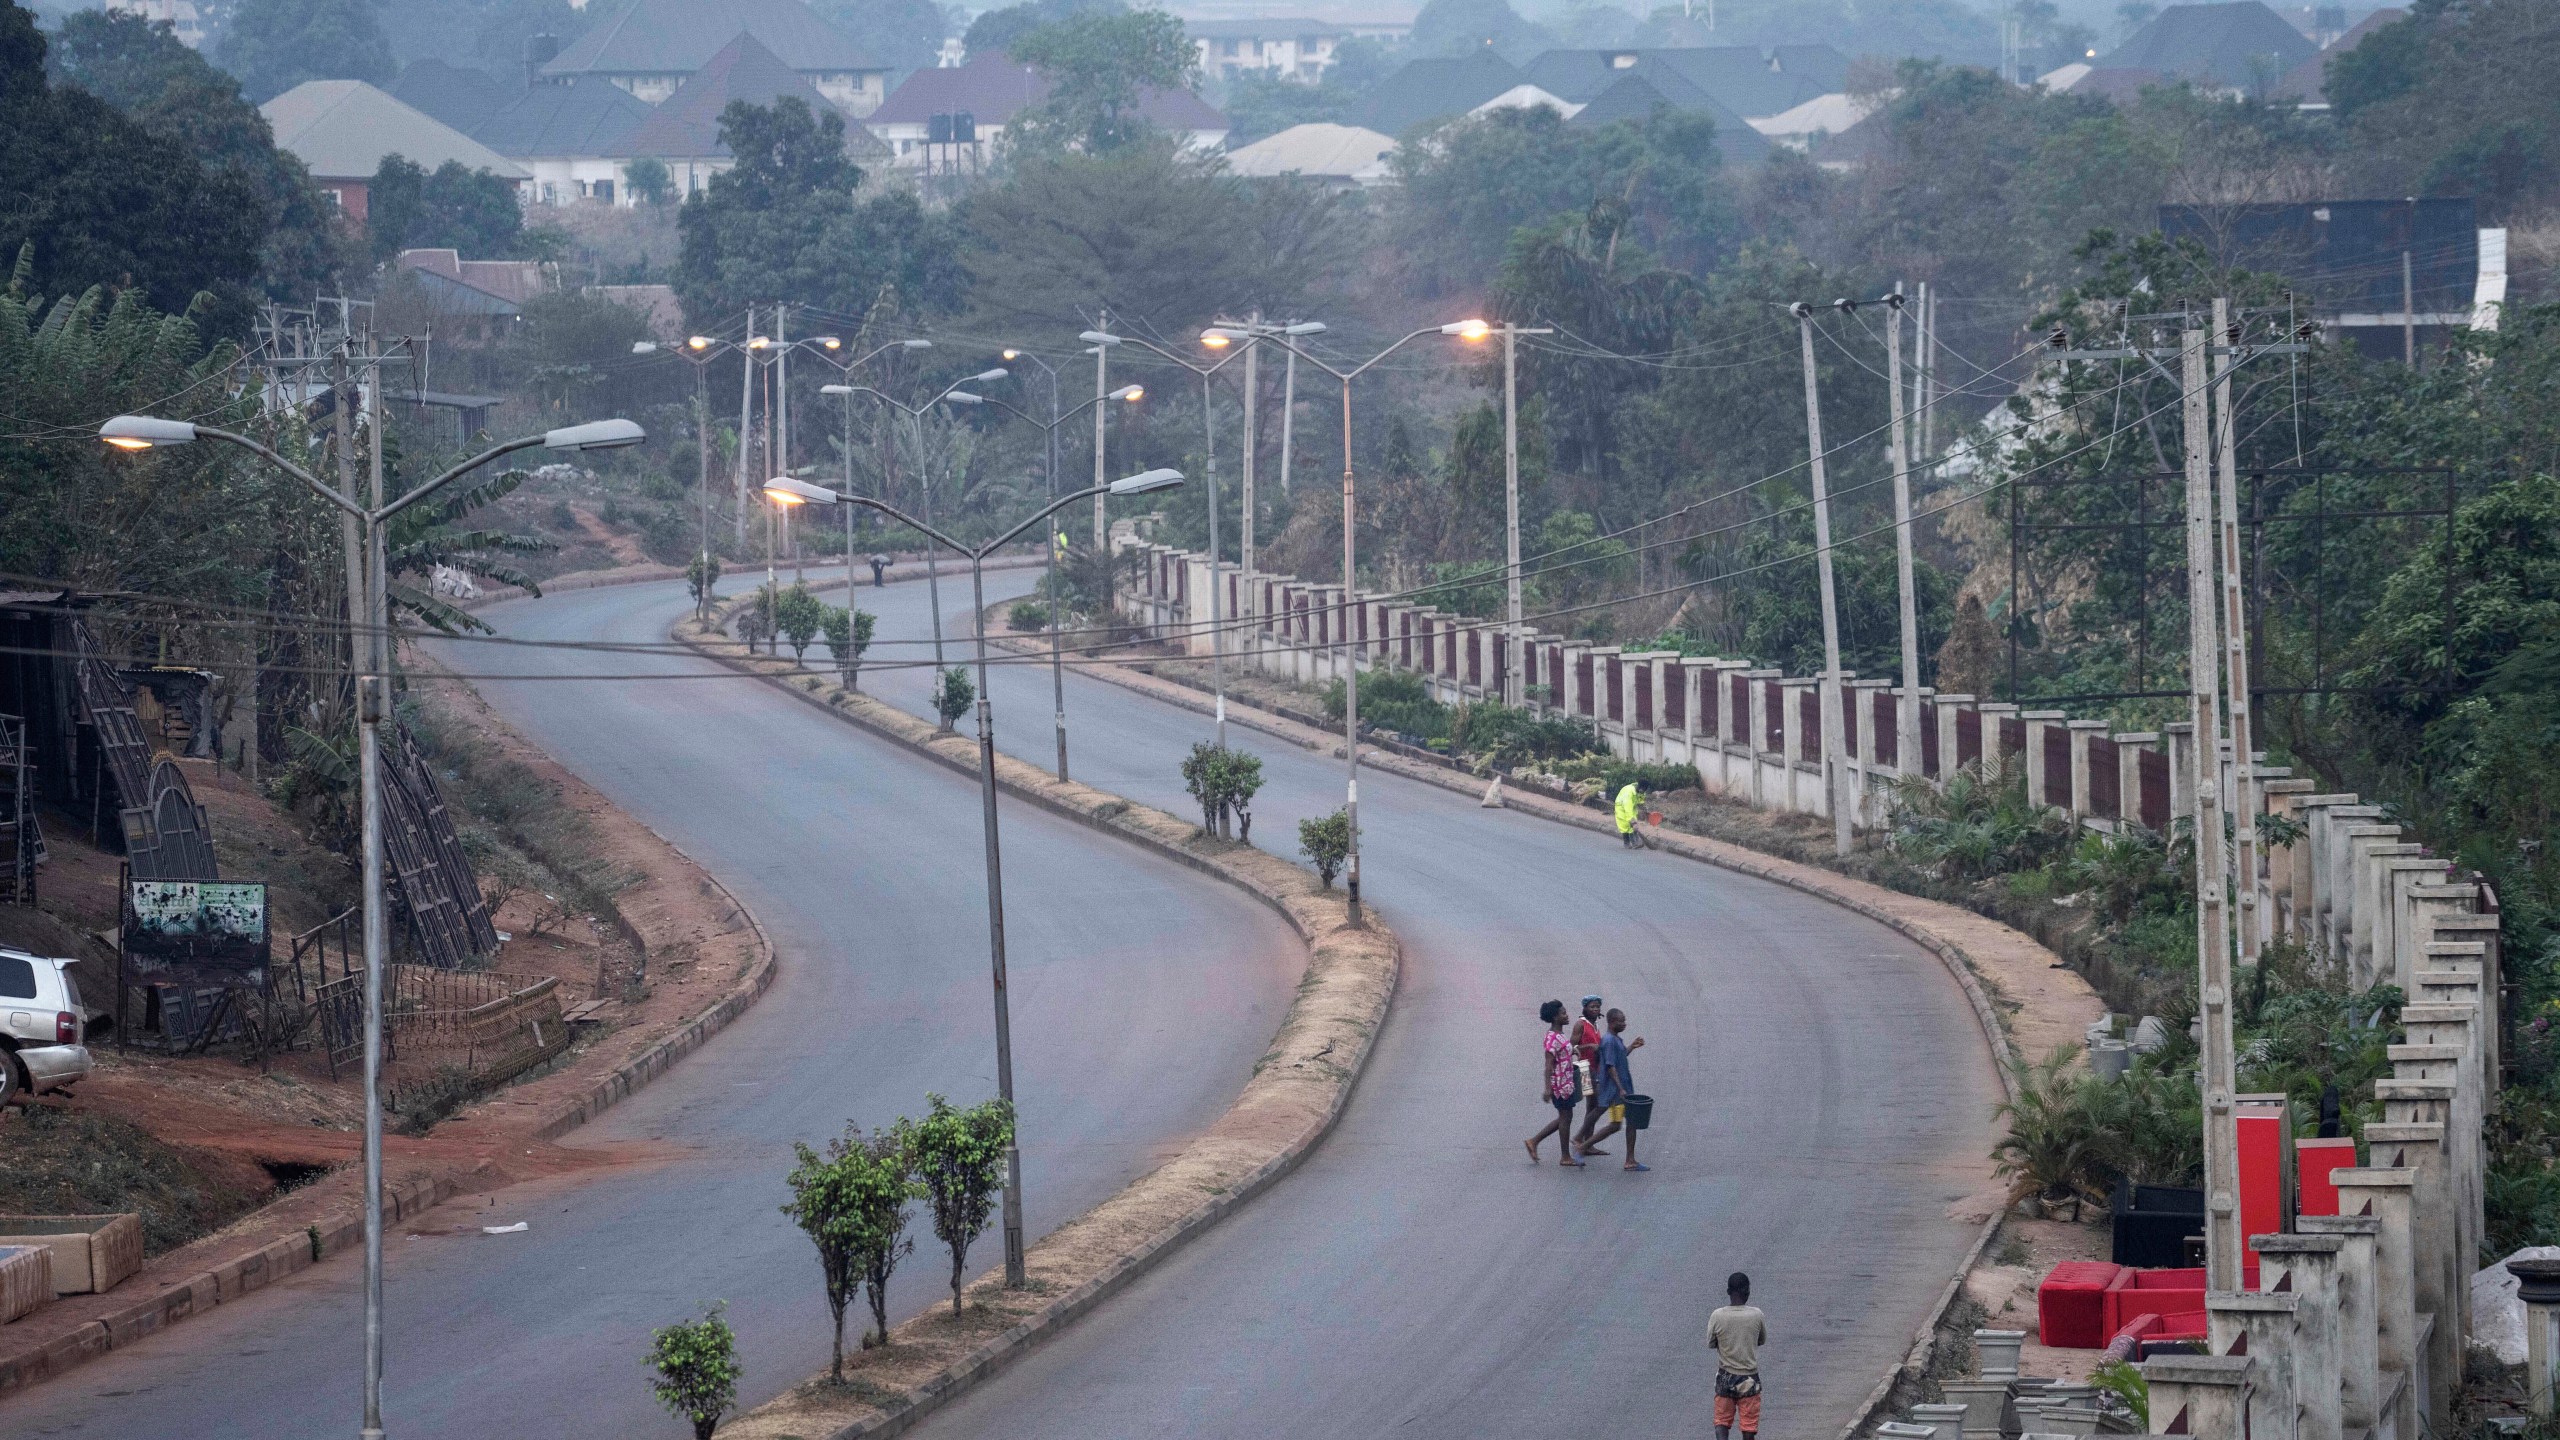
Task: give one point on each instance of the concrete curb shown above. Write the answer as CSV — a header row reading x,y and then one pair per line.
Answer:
x,y
1952,956
1332,981
342,1227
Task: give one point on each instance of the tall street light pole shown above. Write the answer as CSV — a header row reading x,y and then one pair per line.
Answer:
x,y
1906,710
787,491
1215,339
1057,663
1471,330
1051,545
368,619
700,351
1514,678
827,346
1834,773
924,482
1256,329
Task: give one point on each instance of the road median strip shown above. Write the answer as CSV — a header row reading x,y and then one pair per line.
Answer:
x,y
1298,1089
2053,1004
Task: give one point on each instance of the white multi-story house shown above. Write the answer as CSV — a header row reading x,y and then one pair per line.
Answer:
x,y
654,45
1292,49
948,121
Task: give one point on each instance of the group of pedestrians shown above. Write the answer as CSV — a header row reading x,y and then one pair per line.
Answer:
x,y
1588,1067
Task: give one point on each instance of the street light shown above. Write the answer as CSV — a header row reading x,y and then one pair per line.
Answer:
x,y
829,344
370,656
1057,642
786,490
700,350
1217,585
924,478
1462,329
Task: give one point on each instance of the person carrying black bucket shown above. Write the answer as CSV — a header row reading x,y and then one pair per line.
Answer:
x,y
1615,1088
879,572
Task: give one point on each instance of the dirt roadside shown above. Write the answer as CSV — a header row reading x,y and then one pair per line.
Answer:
x,y
2025,1001
708,962
1298,1089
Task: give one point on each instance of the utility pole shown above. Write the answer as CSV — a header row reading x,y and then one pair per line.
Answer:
x,y
1834,774
782,393
1217,582
2213,930
1252,403
1514,676
746,418
1288,413
1906,711
2244,775
1102,341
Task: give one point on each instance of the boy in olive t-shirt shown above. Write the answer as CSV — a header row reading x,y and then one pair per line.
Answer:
x,y
1736,1331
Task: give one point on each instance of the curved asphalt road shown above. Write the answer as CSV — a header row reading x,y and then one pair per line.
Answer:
x,y
1822,1095
1143,993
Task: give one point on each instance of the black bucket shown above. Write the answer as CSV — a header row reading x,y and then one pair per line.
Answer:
x,y
1639,1112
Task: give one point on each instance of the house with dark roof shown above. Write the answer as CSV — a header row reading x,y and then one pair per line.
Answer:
x,y
1751,81
650,47
572,138
2391,277
458,95
684,130
2242,47
946,120
1421,91
1635,97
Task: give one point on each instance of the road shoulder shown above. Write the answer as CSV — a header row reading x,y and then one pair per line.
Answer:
x,y
1298,1089
713,960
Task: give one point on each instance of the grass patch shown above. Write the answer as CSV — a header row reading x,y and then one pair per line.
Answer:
x,y
73,1162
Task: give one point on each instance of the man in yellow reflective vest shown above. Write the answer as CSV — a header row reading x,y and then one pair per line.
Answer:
x,y
1629,800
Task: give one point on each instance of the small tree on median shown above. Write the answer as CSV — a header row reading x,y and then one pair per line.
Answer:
x,y
799,616
852,1203
1326,843
697,1367
701,577
958,1160
953,696
1224,781
848,635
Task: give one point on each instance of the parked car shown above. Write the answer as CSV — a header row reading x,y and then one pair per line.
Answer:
x,y
42,1032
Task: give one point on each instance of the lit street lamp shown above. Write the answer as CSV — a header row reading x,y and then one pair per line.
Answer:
x,y
785,490
370,656
924,478
1057,641
1472,330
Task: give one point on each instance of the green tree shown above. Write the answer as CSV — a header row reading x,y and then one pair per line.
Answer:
x,y
953,695
473,211
648,179
1224,781
274,45
702,579
78,173
785,220
958,1157
696,1366
1326,842
142,68
799,615
901,34
852,1204
994,31
848,636
433,535
1100,66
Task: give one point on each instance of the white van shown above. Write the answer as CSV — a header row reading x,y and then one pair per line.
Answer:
x,y
41,1027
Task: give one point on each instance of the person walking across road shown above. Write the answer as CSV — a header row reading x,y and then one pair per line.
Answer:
x,y
879,571
1630,799
1586,1058
1558,1084
1736,1331
1611,1085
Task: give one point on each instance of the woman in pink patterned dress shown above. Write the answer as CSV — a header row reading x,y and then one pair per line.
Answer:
x,y
1559,1085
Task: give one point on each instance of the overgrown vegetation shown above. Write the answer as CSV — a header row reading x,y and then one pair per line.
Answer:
x,y
79,1162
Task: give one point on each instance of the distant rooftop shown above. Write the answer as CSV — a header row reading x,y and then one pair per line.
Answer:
x,y
1750,80
686,125
1318,151
2241,45
2309,81
342,129
590,116
678,37
1434,89
455,94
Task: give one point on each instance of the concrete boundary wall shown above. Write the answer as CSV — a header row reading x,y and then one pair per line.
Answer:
x,y
2355,890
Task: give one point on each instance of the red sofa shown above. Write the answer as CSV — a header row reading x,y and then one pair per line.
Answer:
x,y
2159,1292
2071,1304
